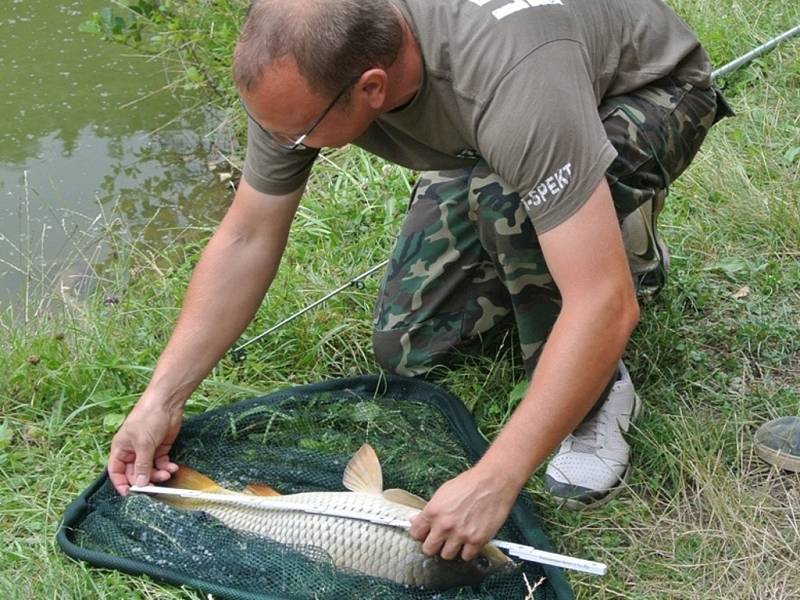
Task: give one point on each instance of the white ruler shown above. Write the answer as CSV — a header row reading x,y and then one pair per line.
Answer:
x,y
527,553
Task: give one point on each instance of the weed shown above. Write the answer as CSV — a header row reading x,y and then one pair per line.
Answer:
x,y
714,356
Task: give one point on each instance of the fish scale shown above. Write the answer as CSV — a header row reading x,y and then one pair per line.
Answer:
x,y
370,548
380,548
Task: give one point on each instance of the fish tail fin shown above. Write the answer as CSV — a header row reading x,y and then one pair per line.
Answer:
x,y
259,489
189,479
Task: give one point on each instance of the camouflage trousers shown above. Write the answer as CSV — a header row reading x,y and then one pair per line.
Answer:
x,y
467,262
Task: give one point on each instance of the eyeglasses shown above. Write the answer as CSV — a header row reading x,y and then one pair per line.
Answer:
x,y
288,143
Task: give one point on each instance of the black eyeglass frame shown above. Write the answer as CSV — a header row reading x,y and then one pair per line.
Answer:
x,y
298,143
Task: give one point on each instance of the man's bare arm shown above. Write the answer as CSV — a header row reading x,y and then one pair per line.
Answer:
x,y
586,258
226,288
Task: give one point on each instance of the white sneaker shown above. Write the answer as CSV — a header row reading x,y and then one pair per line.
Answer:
x,y
648,256
592,462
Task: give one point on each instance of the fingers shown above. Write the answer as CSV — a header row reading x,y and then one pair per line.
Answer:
x,y
433,541
132,470
433,544
451,546
140,449
164,469
449,543
142,466
450,549
164,464
421,531
420,527
123,472
159,475
470,551
119,456
116,473
134,456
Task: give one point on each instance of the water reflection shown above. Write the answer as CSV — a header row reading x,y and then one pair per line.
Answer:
x,y
76,122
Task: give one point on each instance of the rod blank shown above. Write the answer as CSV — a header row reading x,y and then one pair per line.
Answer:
x,y
755,53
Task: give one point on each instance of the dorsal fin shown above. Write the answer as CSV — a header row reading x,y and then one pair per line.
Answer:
x,y
363,472
259,489
405,498
189,479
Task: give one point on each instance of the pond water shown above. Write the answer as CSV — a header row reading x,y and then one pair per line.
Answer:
x,y
89,136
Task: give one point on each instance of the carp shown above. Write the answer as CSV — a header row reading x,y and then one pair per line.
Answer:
x,y
370,548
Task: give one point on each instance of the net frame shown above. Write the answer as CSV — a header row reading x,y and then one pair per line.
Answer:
x,y
455,418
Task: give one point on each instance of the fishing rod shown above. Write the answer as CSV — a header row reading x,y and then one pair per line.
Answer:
x,y
755,53
238,353
520,551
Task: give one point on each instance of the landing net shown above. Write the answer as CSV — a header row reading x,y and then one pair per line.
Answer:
x,y
298,440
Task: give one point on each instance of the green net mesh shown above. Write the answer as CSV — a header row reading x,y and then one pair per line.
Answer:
x,y
298,440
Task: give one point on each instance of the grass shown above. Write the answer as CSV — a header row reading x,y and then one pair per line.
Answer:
x,y
717,354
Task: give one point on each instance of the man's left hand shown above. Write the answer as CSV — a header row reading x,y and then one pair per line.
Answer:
x,y
464,514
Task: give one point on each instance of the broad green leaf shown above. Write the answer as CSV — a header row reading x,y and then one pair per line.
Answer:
x,y
518,391
6,435
111,422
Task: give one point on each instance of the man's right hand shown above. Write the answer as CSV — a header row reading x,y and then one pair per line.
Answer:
x,y
140,449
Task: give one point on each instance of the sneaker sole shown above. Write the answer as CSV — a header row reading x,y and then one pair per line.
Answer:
x,y
783,461
577,505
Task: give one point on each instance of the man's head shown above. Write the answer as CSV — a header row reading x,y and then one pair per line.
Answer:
x,y
295,56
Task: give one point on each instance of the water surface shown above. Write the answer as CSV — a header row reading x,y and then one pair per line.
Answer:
x,y
88,134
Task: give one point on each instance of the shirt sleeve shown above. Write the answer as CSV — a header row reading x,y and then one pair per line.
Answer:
x,y
272,171
540,131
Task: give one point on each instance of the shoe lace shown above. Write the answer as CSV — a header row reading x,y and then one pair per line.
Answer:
x,y
588,436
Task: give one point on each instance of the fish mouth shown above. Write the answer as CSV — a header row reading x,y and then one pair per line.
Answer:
x,y
509,565
496,555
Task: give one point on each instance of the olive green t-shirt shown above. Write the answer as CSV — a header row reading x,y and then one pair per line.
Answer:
x,y
516,83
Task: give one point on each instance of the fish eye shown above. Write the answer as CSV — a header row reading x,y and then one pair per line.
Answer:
x,y
482,563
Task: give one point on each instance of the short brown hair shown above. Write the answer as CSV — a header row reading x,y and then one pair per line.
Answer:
x,y
331,41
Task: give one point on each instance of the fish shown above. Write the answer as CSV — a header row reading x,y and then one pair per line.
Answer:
x,y
378,550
